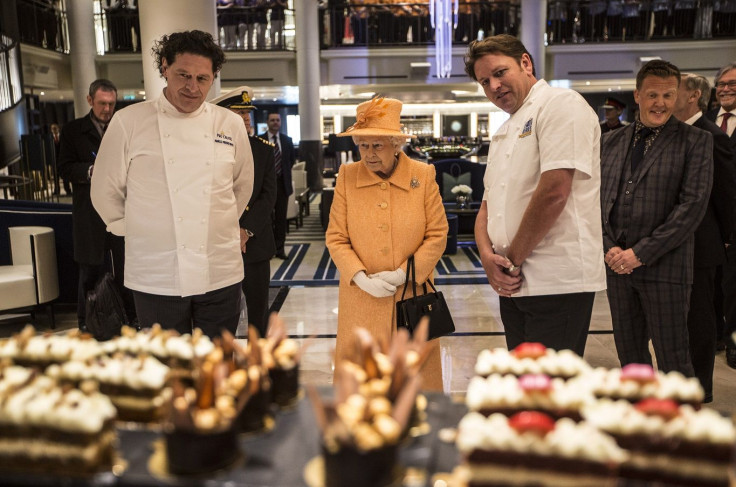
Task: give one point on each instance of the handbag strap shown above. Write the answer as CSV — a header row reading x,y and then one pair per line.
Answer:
x,y
410,272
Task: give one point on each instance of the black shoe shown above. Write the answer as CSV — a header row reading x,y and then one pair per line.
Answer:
x,y
731,357
83,329
282,256
721,345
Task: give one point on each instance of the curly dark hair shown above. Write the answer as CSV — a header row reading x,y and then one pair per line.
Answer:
x,y
190,42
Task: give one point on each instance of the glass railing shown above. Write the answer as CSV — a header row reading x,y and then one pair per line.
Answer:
x,y
11,91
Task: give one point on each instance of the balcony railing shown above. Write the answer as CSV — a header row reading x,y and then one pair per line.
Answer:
x,y
43,24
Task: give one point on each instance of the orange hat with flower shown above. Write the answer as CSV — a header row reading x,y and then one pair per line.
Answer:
x,y
379,116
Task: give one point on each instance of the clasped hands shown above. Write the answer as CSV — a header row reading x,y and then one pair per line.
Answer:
x,y
497,266
622,261
381,284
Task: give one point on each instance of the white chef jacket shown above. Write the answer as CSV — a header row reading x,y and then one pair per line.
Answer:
x,y
175,185
555,128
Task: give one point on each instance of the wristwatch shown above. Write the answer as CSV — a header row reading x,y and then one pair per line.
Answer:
x,y
248,232
513,267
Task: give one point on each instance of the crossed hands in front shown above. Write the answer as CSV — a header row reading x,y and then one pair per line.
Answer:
x,y
381,284
505,283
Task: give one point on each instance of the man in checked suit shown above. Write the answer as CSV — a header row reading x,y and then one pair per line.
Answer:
x,y
712,233
256,231
725,118
656,177
284,156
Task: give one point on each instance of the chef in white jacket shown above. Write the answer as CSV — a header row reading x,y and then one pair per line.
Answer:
x,y
173,176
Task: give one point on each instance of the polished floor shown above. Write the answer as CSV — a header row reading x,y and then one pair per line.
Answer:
x,y
310,312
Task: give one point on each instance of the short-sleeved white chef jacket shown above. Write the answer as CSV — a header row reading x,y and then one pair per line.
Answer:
x,y
555,128
175,185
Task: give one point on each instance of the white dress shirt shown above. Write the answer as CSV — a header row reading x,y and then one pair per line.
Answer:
x,y
175,185
730,124
555,128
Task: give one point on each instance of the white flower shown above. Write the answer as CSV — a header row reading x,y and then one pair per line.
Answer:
x,y
462,189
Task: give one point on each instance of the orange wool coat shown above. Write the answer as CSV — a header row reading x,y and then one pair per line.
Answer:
x,y
375,225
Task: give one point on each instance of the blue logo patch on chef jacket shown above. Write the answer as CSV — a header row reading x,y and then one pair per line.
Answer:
x,y
527,129
221,138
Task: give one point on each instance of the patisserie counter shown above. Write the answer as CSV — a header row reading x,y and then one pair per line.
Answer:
x,y
153,408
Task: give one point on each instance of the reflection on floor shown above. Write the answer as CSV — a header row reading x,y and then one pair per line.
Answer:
x,y
310,309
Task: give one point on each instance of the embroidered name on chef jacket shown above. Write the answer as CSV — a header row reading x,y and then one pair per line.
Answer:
x,y
221,138
527,129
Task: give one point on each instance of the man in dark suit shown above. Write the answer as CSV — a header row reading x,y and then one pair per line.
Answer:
x,y
725,118
284,157
256,230
712,233
80,141
656,179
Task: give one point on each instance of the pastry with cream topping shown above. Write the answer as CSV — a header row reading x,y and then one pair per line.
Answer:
x,y
30,349
635,382
668,443
281,357
508,394
48,428
137,386
530,358
530,448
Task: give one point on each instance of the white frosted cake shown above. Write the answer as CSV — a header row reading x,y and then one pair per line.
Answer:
x,y
48,428
531,449
530,358
668,443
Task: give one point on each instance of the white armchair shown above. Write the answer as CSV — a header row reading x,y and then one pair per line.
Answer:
x,y
32,279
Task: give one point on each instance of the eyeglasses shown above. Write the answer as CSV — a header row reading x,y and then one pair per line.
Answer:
x,y
722,84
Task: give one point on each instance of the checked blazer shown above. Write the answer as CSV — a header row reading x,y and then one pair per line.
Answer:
x,y
668,193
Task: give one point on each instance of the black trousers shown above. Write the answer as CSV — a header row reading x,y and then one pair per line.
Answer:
x,y
701,326
90,275
279,217
255,288
212,312
725,296
643,310
558,321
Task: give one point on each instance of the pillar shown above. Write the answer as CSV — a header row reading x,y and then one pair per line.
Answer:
x,y
159,17
308,79
532,32
82,50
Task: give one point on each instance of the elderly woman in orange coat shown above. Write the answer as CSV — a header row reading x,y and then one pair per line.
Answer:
x,y
386,208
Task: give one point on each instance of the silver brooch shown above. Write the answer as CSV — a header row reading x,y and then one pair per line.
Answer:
x,y
414,182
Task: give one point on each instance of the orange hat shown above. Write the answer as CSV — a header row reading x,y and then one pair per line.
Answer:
x,y
379,116
614,103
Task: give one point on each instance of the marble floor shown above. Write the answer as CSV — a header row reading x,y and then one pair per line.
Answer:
x,y
310,312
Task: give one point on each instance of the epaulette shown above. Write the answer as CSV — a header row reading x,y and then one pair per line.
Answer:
x,y
264,141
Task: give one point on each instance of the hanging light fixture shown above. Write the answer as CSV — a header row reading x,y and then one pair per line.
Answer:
x,y
443,15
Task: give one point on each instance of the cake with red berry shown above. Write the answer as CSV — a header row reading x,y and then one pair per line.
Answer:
x,y
635,382
530,448
508,394
530,358
668,443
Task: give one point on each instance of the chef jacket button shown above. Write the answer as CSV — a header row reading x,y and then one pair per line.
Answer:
x,y
201,247
176,190
203,220
384,205
206,190
504,245
503,185
167,135
384,185
507,156
183,247
206,136
179,219
171,161
493,247
209,163
498,215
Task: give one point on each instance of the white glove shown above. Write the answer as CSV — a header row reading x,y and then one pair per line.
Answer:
x,y
395,278
377,288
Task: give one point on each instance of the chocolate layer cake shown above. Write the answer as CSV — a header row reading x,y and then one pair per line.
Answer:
x,y
531,358
531,449
47,428
507,394
29,349
635,382
668,443
137,386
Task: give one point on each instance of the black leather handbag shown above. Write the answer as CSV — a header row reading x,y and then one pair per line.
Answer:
x,y
411,310
105,309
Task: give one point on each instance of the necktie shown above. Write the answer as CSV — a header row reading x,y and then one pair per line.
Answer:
x,y
724,122
276,155
638,153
